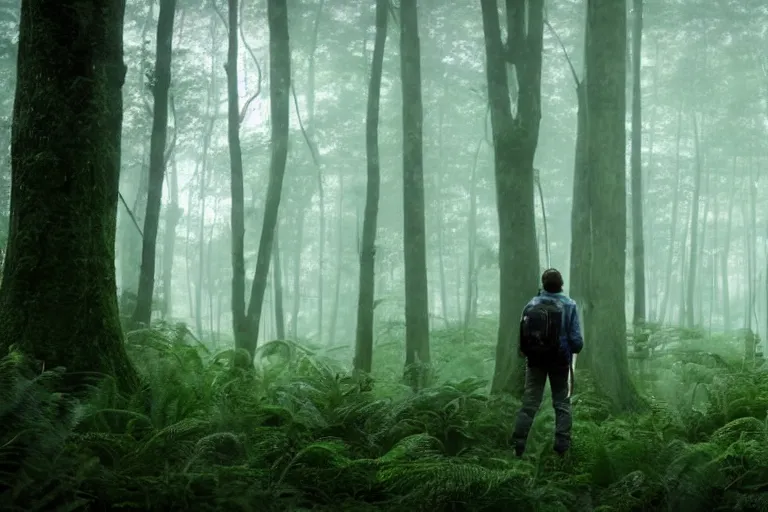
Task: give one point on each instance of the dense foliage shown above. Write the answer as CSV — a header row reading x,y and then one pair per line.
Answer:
x,y
299,433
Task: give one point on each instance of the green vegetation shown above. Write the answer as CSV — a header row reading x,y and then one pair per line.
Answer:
x,y
298,433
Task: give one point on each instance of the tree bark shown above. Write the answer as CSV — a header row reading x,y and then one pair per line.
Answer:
x,y
367,282
606,140
638,245
515,139
279,95
58,298
237,213
414,229
161,83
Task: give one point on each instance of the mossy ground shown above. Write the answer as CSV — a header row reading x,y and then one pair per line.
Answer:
x,y
299,433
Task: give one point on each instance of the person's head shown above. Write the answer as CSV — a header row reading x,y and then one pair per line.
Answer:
x,y
552,281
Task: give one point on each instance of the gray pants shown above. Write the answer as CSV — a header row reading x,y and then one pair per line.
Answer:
x,y
535,380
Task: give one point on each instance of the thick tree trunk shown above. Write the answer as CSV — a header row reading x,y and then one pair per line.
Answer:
x,y
160,86
606,141
279,95
515,139
58,298
364,330
414,230
638,245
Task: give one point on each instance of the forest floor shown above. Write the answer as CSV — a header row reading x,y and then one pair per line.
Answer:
x,y
297,433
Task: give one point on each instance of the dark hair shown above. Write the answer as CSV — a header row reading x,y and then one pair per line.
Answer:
x,y
552,281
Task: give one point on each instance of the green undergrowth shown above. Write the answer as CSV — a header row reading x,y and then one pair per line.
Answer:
x,y
298,432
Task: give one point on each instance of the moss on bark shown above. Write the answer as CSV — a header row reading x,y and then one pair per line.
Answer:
x,y
58,296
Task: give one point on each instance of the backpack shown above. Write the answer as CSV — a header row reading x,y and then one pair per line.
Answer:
x,y
540,330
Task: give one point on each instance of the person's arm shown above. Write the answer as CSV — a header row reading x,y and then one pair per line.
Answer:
x,y
574,332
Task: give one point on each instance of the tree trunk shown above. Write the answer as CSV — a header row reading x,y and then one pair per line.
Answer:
x,y
515,139
237,213
693,262
297,273
472,241
726,291
638,246
673,221
58,295
364,330
606,135
339,262
310,129
277,283
279,95
414,236
173,215
160,85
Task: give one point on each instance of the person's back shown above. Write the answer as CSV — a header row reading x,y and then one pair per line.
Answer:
x,y
550,334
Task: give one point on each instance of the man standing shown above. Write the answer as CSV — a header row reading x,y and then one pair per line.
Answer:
x,y
550,335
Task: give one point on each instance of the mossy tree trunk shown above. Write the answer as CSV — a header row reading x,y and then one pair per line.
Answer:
x,y
515,138
414,236
58,299
365,299
160,83
606,72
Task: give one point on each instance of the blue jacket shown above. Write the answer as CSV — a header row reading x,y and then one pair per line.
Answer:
x,y
570,338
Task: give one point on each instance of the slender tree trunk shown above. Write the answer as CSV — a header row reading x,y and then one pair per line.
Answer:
x,y
472,240
339,262
237,213
310,132
297,273
638,246
653,274
441,220
211,110
279,94
724,270
363,358
173,215
160,86
414,230
277,282
61,249
674,219
515,139
693,262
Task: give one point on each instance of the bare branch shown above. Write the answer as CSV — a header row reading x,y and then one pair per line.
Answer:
x,y
310,144
247,104
565,53
130,213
